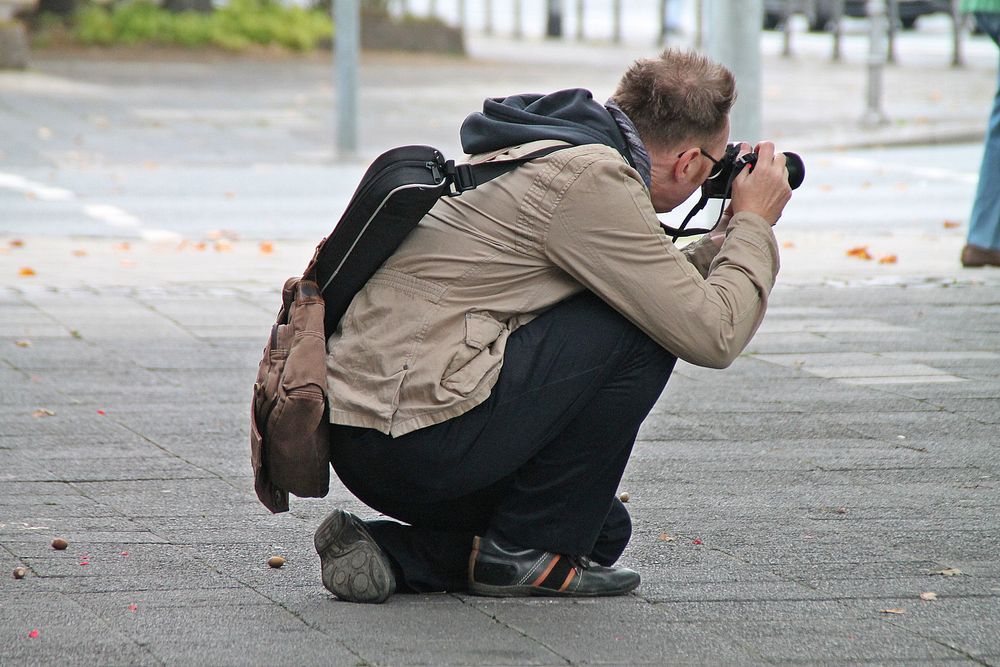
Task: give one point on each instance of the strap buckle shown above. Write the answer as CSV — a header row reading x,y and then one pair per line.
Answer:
x,y
461,176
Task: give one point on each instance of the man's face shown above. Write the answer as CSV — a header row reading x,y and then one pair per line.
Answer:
x,y
680,170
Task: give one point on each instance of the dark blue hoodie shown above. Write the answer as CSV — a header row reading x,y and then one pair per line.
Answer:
x,y
567,115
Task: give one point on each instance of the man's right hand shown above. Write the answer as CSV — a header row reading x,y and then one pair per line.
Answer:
x,y
764,190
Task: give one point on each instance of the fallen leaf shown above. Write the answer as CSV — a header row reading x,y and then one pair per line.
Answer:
x,y
222,246
841,510
861,252
124,246
929,595
200,245
948,572
26,271
16,243
266,247
33,634
696,540
133,607
951,224
75,334
101,412
43,412
666,538
22,343
888,259
826,187
894,610
79,253
124,554
788,245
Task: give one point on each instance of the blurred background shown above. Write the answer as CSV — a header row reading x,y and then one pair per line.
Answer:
x,y
242,126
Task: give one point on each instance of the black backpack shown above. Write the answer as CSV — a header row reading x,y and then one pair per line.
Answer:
x,y
289,424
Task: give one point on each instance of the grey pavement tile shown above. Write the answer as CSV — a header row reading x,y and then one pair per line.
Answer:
x,y
840,642
627,631
422,630
178,497
970,625
64,629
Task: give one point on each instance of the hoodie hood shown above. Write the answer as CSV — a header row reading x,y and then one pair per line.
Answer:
x,y
567,115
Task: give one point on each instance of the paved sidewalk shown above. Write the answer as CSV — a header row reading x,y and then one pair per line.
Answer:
x,y
799,507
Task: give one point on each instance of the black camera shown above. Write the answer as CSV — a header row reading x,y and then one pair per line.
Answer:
x,y
720,184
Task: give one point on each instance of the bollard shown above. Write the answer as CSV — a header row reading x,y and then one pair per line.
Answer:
x,y
957,23
488,21
518,20
616,21
838,29
579,20
893,21
733,39
876,63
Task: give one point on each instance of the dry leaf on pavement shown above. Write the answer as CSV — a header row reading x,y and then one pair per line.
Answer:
x,y
948,572
893,610
666,538
26,271
952,224
861,252
929,595
43,412
888,259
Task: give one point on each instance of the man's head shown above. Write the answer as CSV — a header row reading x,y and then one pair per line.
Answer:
x,y
680,105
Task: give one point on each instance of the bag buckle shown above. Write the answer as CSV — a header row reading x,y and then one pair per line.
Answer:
x,y
461,176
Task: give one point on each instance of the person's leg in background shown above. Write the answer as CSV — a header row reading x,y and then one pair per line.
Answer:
x,y
983,247
537,464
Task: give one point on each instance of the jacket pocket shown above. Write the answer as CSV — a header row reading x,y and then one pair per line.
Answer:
x,y
482,357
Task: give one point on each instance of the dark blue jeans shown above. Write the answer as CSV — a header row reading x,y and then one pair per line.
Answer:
x,y
538,463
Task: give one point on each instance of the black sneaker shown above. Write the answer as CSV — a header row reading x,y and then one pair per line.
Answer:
x,y
501,570
355,568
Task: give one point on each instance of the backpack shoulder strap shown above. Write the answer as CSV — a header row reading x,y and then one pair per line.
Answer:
x,y
469,176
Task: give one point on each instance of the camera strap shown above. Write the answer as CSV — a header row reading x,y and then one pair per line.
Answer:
x,y
677,232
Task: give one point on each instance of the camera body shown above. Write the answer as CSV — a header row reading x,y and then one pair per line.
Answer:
x,y
720,185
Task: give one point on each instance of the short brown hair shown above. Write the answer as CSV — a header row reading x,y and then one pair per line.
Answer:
x,y
679,96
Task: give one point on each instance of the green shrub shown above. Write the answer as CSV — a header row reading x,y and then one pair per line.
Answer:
x,y
235,26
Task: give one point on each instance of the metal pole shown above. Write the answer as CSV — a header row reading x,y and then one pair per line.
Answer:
x,y
461,15
876,63
786,41
893,8
699,25
957,57
347,18
616,21
553,18
579,20
518,20
488,26
838,29
432,10
661,14
733,39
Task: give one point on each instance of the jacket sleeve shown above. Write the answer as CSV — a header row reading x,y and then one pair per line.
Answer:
x,y
604,233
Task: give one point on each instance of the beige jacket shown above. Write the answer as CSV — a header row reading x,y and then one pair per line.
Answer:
x,y
424,340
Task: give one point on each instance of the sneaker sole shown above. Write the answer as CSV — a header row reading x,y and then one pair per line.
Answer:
x,y
535,591
354,567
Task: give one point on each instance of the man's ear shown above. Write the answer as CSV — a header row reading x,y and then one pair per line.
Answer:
x,y
686,165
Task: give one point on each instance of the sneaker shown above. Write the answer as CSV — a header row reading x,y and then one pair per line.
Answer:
x,y
973,257
355,568
501,570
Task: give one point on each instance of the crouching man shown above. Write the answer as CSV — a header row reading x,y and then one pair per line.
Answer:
x,y
487,384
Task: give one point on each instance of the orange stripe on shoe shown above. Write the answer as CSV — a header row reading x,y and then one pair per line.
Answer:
x,y
569,578
472,559
541,577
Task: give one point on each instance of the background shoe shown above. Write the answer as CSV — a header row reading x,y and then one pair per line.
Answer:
x,y
355,568
501,570
974,256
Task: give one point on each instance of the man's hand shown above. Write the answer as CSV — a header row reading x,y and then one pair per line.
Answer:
x,y
764,190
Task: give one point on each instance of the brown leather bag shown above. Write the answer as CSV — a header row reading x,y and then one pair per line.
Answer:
x,y
289,424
